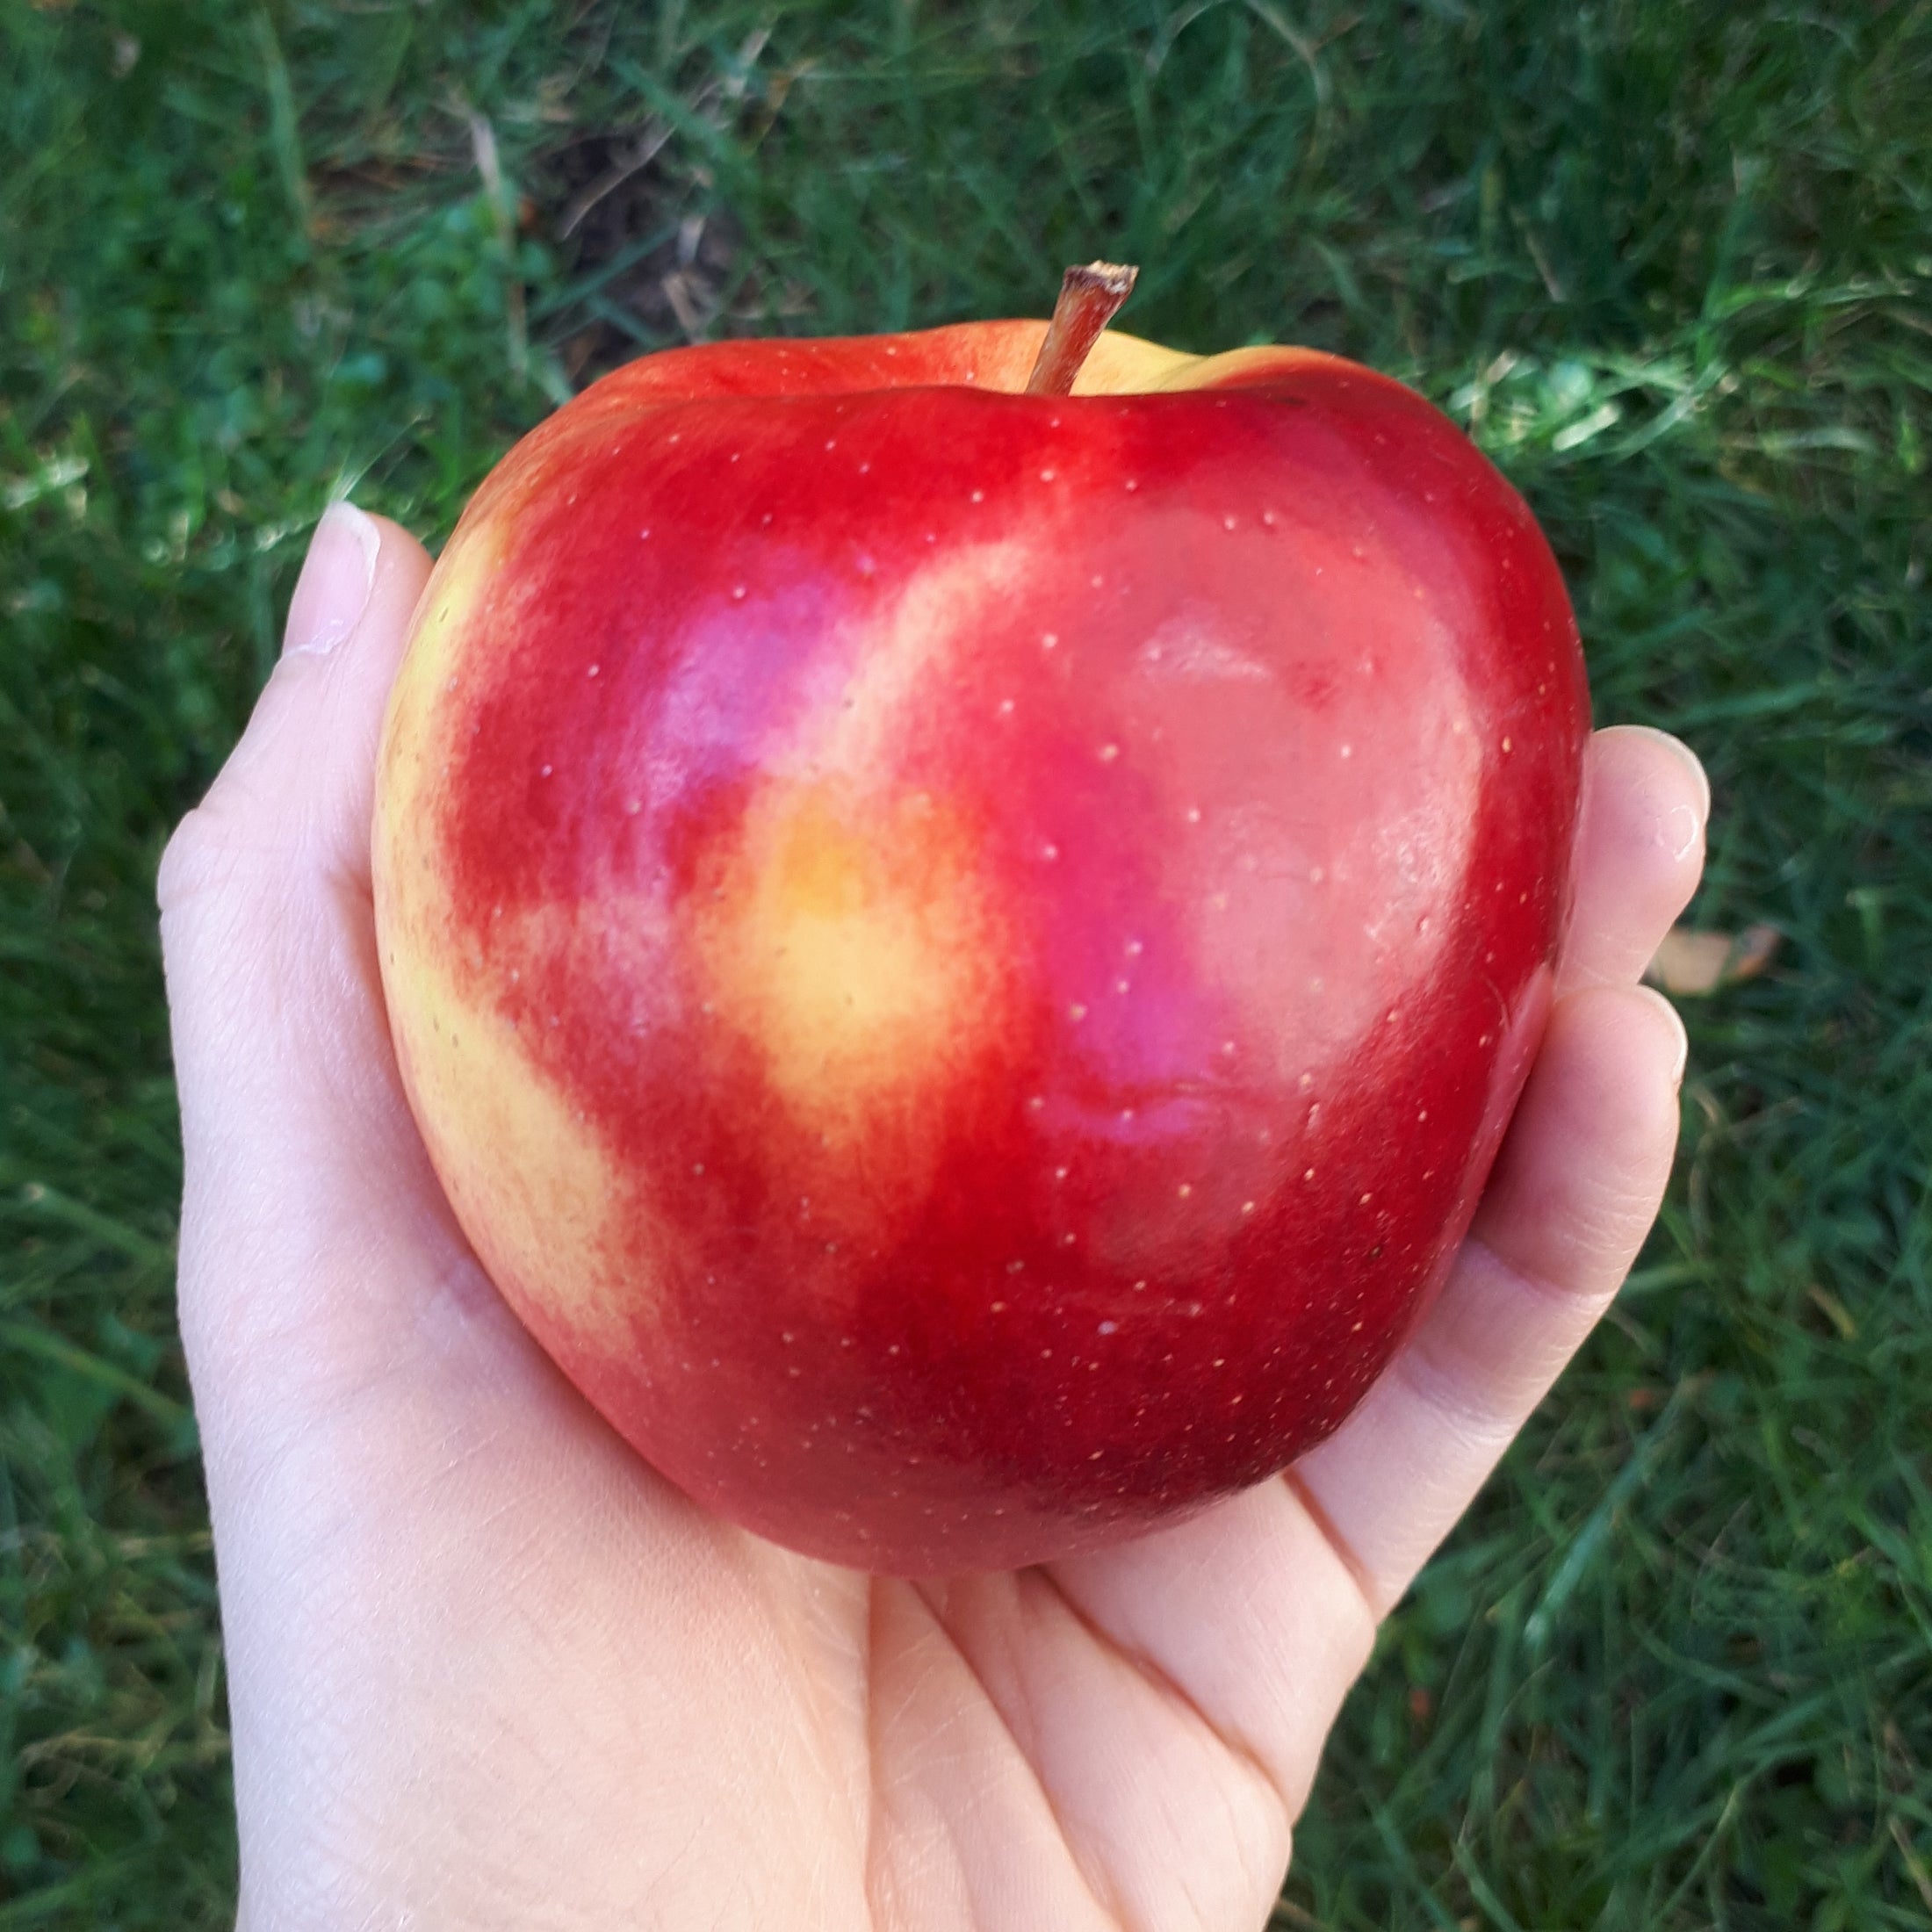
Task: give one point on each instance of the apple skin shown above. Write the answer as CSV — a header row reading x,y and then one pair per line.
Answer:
x,y
961,957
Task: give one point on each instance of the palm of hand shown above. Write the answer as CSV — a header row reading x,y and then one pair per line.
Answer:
x,y
534,1685
487,1669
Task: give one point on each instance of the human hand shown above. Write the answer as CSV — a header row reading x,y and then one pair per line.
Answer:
x,y
487,1669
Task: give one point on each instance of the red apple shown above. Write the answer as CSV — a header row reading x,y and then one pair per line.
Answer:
x,y
962,955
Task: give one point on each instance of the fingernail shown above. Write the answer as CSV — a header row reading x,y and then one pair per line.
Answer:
x,y
337,575
1691,763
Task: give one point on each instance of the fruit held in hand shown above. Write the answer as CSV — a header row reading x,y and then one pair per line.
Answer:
x,y
962,954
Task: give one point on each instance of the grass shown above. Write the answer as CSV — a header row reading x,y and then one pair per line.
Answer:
x,y
1671,262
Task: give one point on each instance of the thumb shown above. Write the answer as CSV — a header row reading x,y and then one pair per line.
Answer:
x,y
297,1147
293,801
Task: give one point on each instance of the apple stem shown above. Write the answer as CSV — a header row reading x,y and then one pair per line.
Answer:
x,y
1090,298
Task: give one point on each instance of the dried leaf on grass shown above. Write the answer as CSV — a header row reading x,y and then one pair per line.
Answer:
x,y
1692,961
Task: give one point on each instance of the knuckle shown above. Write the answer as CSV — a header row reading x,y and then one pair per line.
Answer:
x,y
218,844
214,851
195,862
217,867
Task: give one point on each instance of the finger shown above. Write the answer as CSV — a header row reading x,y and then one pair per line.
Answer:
x,y
1639,848
1572,1197
294,1127
1249,1614
1176,1827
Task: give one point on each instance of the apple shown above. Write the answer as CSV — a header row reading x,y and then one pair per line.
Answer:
x,y
962,952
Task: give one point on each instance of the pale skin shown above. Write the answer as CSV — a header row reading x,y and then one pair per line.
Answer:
x,y
487,1669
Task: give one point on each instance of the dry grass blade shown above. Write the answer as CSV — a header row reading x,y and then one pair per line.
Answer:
x,y
650,145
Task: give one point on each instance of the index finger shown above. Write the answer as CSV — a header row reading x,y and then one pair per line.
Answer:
x,y
1639,849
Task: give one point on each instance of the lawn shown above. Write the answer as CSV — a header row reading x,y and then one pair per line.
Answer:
x,y
1671,265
